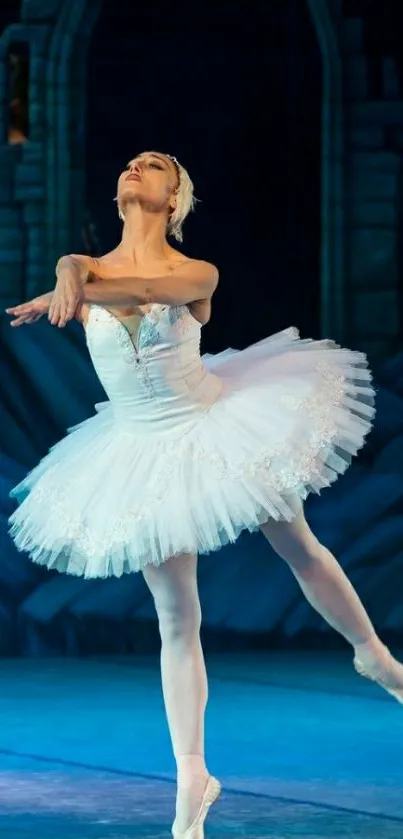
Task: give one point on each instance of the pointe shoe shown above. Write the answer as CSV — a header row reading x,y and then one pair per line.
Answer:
x,y
379,673
196,830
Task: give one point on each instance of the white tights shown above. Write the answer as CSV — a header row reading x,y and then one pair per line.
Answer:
x,y
320,577
173,586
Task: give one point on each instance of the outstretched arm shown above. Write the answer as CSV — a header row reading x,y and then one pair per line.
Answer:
x,y
79,280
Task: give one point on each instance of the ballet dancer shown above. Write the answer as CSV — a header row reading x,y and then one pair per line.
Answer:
x,y
190,450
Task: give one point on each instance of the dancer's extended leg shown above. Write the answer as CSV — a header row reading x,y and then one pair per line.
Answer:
x,y
330,592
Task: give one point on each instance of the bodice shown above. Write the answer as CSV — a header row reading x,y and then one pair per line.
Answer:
x,y
159,381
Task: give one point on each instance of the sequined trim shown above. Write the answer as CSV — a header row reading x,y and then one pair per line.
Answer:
x,y
175,313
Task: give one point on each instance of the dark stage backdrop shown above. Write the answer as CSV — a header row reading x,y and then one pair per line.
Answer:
x,y
10,11
234,91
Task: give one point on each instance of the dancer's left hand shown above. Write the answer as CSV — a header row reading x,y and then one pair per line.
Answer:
x,y
67,298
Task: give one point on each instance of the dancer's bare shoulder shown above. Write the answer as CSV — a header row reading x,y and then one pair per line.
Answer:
x,y
199,309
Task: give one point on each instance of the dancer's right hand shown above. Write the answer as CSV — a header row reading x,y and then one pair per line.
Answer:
x,y
31,311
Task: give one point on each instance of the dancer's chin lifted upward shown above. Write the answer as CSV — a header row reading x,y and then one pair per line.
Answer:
x,y
189,451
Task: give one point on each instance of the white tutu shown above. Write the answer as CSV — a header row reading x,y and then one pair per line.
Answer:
x,y
110,498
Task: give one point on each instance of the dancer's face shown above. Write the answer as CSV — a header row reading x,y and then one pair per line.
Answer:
x,y
150,180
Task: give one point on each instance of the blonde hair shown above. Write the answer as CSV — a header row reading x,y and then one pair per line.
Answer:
x,y
185,201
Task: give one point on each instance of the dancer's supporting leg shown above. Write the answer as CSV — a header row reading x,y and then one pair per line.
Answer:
x,y
328,590
173,586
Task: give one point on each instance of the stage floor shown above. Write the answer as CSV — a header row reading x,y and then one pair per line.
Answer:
x,y
303,747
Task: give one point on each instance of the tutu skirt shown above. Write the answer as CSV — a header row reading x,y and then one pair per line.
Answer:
x,y
105,501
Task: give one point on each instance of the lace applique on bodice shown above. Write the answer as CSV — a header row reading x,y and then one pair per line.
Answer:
x,y
159,324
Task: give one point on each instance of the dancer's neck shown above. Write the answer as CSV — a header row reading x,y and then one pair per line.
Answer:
x,y
144,236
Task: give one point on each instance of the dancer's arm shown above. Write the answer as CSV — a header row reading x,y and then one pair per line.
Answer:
x,y
194,280
80,281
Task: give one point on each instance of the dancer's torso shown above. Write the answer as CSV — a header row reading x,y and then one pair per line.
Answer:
x,y
150,366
